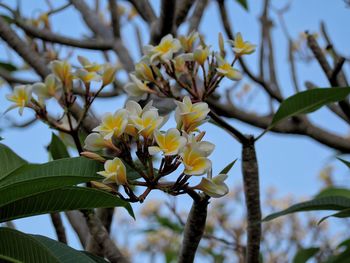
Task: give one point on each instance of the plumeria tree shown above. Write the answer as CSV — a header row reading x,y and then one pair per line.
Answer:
x,y
124,155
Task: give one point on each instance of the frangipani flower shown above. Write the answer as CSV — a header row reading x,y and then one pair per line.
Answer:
x,y
95,142
214,187
21,97
194,157
189,116
170,143
52,87
87,76
115,172
134,109
147,122
225,69
62,70
108,74
241,47
137,88
113,124
89,66
188,41
200,55
165,50
180,62
143,71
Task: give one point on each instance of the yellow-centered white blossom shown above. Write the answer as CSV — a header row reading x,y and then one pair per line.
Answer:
x,y
108,74
115,172
214,187
52,87
241,47
147,122
87,76
194,157
200,55
189,116
165,50
95,142
225,69
113,124
135,110
137,88
62,70
89,66
143,71
20,97
187,42
170,143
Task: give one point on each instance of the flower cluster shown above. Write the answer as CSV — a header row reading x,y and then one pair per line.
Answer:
x,y
185,61
182,149
63,84
131,140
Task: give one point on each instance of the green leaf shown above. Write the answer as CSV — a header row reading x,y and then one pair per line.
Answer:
x,y
9,161
344,161
308,101
57,148
19,247
334,191
323,203
303,255
64,199
8,66
228,167
243,3
32,179
342,214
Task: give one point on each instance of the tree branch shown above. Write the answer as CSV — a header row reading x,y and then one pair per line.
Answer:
x,y
252,196
100,234
165,22
49,36
59,227
194,230
197,15
28,54
302,127
77,221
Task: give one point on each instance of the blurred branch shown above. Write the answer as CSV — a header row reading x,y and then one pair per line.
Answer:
x,y
77,221
331,74
114,18
93,22
28,54
145,10
333,51
197,15
194,230
10,79
101,236
182,9
106,216
59,227
165,22
47,35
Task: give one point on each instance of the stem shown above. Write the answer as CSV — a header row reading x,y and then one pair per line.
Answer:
x,y
252,196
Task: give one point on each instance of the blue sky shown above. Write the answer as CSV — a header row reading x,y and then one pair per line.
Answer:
x,y
289,163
